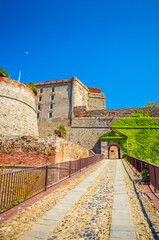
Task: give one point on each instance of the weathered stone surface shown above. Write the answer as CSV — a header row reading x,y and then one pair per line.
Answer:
x,y
17,111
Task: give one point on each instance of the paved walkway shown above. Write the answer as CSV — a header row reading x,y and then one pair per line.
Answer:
x,y
92,204
121,225
42,228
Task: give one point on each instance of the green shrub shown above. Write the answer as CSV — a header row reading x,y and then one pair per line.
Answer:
x,y
145,174
3,73
32,87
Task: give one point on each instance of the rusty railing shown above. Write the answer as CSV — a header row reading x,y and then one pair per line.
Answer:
x,y
18,186
140,165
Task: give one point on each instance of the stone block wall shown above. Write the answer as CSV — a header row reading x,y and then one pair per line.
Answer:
x,y
17,109
79,93
87,137
31,151
96,101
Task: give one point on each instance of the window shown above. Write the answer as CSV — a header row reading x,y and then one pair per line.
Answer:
x,y
52,97
39,107
40,98
53,89
41,90
38,115
50,115
51,106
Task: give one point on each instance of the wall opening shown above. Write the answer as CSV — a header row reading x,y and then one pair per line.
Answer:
x,y
113,152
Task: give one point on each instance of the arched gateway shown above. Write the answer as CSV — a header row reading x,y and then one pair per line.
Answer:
x,y
110,144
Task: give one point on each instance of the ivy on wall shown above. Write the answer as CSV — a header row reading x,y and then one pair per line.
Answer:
x,y
142,136
112,137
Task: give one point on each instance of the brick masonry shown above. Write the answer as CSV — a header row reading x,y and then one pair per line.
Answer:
x,y
38,151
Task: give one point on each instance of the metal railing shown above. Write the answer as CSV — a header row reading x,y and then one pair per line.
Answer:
x,y
140,165
18,186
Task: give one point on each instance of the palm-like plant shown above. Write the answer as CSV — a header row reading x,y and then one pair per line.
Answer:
x,y
61,131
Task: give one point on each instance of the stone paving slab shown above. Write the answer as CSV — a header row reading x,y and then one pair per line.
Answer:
x,y
122,224
41,230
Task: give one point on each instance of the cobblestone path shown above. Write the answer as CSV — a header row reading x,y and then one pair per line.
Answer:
x,y
90,216
97,208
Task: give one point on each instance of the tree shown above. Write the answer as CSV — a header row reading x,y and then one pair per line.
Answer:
x,y
33,88
3,73
152,104
61,131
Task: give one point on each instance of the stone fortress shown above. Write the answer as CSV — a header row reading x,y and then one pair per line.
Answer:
x,y
82,110
26,121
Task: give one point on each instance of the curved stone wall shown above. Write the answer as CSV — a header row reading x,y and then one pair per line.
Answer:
x,y
17,109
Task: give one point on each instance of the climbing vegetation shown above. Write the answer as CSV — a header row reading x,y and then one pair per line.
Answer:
x,y
142,134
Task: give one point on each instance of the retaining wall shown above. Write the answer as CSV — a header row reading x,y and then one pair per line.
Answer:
x,y
37,151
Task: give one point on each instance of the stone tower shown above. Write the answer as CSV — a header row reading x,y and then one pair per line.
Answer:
x,y
17,109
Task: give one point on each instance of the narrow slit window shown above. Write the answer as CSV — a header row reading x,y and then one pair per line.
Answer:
x,y
52,97
50,115
38,115
51,106
41,90
53,89
40,98
39,107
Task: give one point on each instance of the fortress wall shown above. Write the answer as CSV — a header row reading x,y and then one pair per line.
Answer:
x,y
17,109
87,130
88,125
79,93
87,137
96,101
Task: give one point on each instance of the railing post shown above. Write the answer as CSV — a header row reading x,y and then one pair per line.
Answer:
x,y
69,169
154,173
80,164
46,177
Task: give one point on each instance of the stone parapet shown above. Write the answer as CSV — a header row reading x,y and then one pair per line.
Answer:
x,y
124,112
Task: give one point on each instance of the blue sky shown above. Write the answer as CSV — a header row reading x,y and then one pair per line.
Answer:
x,y
112,45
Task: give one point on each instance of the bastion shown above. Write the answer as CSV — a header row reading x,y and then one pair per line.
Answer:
x,y
18,115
